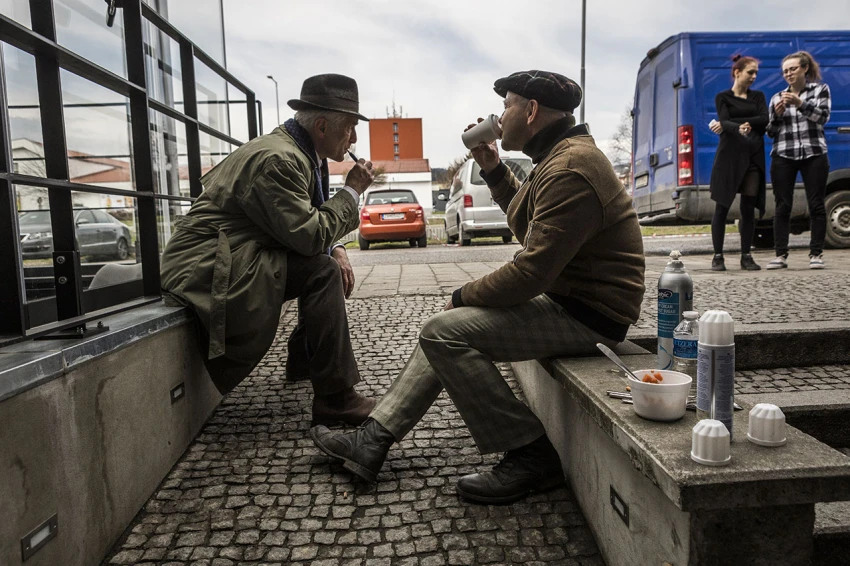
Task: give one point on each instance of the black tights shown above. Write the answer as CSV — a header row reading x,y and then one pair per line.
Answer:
x,y
746,225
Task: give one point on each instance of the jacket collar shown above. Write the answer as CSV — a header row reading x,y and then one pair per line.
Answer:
x,y
302,140
542,143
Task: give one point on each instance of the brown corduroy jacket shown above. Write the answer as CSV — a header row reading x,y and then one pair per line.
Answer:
x,y
579,233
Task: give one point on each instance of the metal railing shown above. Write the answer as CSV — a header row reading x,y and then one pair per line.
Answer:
x,y
73,306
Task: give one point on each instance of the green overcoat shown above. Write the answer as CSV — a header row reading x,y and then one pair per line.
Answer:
x,y
227,257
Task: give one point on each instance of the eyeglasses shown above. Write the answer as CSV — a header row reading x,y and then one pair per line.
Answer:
x,y
790,70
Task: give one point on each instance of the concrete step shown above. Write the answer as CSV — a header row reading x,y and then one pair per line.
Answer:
x,y
832,531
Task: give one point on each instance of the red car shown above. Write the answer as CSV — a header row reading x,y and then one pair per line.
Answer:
x,y
390,215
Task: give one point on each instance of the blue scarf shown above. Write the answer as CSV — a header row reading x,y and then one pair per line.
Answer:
x,y
302,139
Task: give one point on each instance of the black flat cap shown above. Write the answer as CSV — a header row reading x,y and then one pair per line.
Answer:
x,y
329,92
549,89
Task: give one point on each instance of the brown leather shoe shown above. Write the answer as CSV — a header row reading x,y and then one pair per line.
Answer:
x,y
347,407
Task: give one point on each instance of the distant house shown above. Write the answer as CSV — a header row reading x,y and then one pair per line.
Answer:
x,y
413,174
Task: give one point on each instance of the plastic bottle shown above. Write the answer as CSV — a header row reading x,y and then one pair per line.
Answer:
x,y
685,338
716,367
675,296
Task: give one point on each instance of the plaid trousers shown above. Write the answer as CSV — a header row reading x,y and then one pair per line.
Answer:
x,y
456,352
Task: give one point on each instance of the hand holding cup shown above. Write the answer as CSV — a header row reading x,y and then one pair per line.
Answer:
x,y
715,126
481,139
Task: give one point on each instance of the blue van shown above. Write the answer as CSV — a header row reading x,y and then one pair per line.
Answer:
x,y
673,148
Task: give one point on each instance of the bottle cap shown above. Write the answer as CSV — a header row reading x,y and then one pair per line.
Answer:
x,y
716,328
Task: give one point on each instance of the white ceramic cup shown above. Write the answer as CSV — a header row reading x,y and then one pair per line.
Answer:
x,y
485,131
767,425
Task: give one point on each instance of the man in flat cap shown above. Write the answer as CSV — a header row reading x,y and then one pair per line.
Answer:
x,y
262,232
577,280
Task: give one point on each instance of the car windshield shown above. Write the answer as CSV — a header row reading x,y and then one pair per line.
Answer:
x,y
391,197
35,217
518,166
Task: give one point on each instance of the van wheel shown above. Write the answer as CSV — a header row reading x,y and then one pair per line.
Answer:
x,y
763,239
507,239
449,239
364,244
423,241
838,220
465,239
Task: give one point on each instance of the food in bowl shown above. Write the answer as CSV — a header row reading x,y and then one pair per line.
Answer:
x,y
664,399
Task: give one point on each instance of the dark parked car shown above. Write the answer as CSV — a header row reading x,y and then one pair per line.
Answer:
x,y
98,234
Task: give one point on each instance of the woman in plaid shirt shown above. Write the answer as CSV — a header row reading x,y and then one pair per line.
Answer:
x,y
797,117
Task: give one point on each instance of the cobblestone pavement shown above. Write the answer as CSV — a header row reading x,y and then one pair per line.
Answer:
x,y
252,488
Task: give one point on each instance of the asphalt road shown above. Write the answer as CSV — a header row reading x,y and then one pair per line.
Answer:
x,y
400,253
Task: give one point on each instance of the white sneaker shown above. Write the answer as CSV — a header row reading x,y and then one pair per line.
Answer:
x,y
778,262
816,262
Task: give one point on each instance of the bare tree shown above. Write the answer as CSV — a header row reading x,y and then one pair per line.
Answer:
x,y
453,168
621,143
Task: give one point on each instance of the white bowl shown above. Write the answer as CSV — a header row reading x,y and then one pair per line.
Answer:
x,y
665,401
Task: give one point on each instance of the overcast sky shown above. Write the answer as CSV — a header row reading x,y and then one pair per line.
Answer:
x,y
439,58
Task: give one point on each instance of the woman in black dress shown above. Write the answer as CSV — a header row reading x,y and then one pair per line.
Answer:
x,y
739,165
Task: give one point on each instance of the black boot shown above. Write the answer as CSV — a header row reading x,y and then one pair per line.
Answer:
x,y
362,451
532,468
748,263
718,263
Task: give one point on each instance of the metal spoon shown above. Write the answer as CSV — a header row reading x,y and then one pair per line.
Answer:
x,y
616,359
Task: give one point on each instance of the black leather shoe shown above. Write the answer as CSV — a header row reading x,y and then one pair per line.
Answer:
x,y
535,467
346,407
748,263
718,263
362,452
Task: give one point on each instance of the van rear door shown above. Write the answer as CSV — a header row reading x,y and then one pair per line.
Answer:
x,y
654,137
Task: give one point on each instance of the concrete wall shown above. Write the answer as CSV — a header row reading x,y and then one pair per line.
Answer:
x,y
93,445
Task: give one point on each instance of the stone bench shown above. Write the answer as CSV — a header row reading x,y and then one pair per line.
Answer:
x,y
649,503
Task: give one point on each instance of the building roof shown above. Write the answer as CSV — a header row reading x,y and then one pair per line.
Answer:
x,y
389,167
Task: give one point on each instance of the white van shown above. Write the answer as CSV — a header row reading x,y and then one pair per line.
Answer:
x,y
471,211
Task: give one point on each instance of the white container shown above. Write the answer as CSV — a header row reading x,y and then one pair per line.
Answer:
x,y
485,131
665,401
711,443
767,425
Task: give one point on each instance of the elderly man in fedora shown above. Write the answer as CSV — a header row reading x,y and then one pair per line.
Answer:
x,y
577,280
260,234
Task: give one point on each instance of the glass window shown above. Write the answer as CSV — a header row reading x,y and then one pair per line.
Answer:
x,y
97,125
212,98
237,106
395,127
24,117
99,237
199,20
81,27
167,213
213,151
162,64
170,155
391,197
18,10
519,167
395,138
395,148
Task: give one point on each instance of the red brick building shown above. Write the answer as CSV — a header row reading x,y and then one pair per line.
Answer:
x,y
395,138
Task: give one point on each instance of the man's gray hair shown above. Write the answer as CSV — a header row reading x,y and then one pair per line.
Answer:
x,y
546,111
307,118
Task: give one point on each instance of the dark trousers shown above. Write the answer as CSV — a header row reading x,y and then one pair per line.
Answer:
x,y
322,322
783,173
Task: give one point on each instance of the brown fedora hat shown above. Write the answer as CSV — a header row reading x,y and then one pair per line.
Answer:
x,y
329,92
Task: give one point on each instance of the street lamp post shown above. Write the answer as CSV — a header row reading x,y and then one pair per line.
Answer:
x,y
277,100
583,26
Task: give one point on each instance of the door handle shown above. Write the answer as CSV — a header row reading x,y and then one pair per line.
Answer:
x,y
653,160
844,130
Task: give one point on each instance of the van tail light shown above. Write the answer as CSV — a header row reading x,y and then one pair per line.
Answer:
x,y
686,155
467,201
364,215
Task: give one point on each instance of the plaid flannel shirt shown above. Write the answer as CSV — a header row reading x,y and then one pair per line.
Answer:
x,y
798,133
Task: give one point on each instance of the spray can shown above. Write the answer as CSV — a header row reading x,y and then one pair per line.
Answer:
x,y
675,296
716,367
